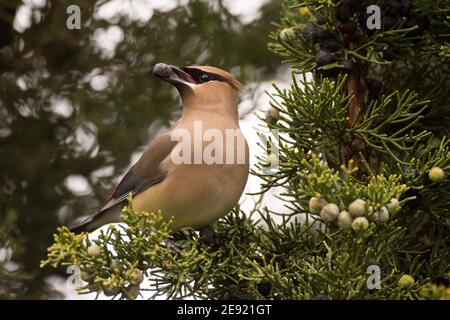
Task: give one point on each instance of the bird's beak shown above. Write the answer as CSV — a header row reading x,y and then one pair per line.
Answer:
x,y
172,74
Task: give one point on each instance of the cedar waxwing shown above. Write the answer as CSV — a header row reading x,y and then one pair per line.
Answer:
x,y
174,174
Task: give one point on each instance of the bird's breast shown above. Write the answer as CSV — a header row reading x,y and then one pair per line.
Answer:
x,y
206,171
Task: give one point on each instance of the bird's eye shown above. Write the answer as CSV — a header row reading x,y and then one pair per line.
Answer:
x,y
204,78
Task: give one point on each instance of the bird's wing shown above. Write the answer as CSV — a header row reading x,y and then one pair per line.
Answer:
x,y
145,173
132,183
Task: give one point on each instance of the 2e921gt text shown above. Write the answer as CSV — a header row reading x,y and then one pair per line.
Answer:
x,y
245,309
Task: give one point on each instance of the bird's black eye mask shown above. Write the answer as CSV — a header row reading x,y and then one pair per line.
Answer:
x,y
201,76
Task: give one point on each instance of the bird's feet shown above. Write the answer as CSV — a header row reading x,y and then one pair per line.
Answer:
x,y
172,245
211,238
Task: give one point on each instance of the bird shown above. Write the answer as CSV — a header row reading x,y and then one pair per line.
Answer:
x,y
170,176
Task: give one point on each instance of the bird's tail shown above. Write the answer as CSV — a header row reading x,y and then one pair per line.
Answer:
x,y
96,220
85,225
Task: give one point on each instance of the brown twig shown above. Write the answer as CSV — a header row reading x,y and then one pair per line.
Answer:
x,y
356,110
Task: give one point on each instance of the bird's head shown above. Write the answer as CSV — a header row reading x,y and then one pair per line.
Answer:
x,y
201,86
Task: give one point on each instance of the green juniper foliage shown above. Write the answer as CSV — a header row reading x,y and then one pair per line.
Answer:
x,y
364,164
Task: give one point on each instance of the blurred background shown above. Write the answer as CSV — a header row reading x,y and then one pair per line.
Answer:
x,y
77,107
